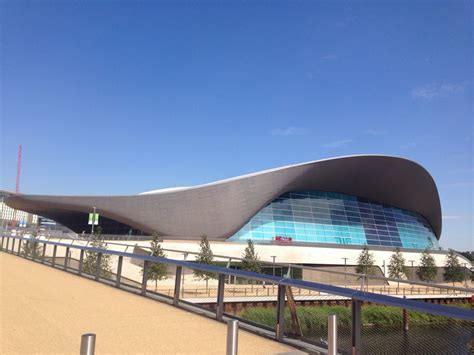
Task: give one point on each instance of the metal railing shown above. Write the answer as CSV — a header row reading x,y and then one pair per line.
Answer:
x,y
375,283
280,329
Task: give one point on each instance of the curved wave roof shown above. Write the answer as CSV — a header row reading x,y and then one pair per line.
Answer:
x,y
221,208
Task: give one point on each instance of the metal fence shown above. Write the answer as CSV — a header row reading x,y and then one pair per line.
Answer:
x,y
368,323
366,282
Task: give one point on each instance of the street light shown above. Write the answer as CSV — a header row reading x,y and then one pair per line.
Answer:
x,y
93,221
273,284
345,271
465,274
273,257
412,270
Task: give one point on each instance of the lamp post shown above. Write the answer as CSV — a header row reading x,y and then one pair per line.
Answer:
x,y
345,271
412,270
185,256
93,221
273,284
273,257
465,274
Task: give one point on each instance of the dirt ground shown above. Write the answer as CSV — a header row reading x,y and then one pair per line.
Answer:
x,y
43,310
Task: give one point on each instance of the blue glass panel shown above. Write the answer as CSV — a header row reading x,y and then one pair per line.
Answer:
x,y
332,217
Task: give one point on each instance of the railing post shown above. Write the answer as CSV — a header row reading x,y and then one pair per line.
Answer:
x,y
280,325
332,334
356,327
55,249
1,245
145,277
220,297
97,266
44,253
232,337
81,262
8,242
119,271
13,246
33,250
66,256
406,318
19,248
177,285
87,344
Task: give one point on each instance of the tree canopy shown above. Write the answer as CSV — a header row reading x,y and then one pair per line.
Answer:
x,y
251,261
396,266
453,271
427,270
365,262
205,256
156,271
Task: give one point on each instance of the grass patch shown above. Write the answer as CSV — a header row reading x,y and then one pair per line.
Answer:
x,y
315,318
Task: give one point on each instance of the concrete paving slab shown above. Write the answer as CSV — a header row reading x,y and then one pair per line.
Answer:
x,y
43,310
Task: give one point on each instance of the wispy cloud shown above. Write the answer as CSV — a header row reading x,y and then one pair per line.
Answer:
x,y
462,171
410,145
337,144
451,217
289,131
430,92
375,132
330,57
459,184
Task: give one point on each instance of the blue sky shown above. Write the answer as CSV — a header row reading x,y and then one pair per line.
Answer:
x,y
123,97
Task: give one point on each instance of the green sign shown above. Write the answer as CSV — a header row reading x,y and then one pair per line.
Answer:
x,y
93,218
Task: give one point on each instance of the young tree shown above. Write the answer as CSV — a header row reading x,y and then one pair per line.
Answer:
x,y
205,256
453,271
90,258
365,263
157,271
31,247
251,260
396,266
427,270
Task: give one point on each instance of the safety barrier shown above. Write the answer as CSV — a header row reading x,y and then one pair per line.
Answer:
x,y
285,322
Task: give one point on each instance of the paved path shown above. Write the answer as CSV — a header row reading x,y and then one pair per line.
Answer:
x,y
43,310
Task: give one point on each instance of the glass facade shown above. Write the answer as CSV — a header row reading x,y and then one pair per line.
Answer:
x,y
330,217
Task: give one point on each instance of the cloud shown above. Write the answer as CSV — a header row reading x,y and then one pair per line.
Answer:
x,y
337,144
451,217
430,92
289,131
375,132
410,145
459,184
461,171
330,57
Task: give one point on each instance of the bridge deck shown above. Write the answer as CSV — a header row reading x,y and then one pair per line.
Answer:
x,y
43,310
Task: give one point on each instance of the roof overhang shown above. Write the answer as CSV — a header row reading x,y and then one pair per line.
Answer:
x,y
221,208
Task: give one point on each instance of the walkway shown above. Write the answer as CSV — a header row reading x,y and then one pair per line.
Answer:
x,y
43,310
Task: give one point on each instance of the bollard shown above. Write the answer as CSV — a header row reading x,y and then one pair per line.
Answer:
x,y
87,344
332,334
232,337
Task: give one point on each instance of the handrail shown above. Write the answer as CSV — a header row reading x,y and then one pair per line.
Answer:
x,y
363,296
304,267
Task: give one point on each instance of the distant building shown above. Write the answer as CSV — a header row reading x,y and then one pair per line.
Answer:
x,y
10,217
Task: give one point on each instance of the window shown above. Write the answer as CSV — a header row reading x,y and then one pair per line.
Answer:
x,y
331,217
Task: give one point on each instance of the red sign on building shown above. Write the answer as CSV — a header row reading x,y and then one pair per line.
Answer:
x,y
284,240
